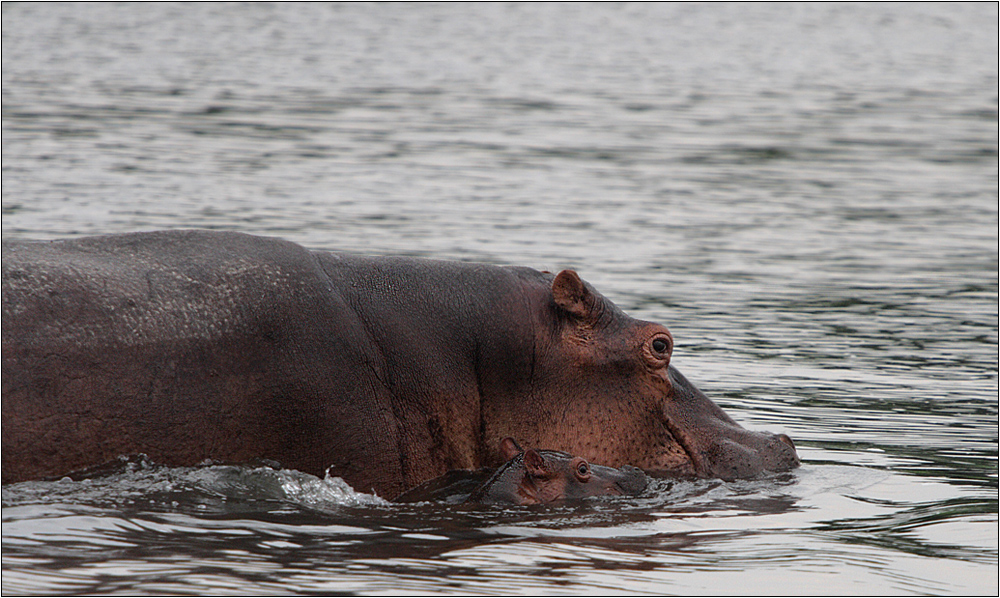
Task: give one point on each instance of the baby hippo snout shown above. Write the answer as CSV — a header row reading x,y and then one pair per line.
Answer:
x,y
632,480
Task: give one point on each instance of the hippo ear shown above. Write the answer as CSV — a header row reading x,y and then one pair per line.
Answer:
x,y
571,294
534,463
510,448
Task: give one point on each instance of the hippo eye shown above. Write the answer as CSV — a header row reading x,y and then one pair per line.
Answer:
x,y
583,470
661,345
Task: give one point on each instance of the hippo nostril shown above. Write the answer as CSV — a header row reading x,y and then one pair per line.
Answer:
x,y
784,438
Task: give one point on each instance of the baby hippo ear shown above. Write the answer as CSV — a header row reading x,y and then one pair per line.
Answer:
x,y
510,448
534,463
571,294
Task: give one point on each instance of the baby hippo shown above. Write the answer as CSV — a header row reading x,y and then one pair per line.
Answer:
x,y
542,476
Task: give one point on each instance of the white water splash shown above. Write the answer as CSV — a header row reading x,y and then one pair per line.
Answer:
x,y
308,490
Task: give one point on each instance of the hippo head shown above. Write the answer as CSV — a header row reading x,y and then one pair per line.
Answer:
x,y
601,386
544,476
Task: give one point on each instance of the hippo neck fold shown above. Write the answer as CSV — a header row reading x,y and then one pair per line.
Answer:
x,y
443,334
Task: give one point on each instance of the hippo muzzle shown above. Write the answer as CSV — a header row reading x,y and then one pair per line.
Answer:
x,y
716,445
629,480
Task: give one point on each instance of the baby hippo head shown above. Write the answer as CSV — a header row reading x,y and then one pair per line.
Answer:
x,y
543,476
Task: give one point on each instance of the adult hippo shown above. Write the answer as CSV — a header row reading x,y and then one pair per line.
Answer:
x,y
195,345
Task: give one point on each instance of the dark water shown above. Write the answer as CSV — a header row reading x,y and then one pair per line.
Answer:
x,y
806,195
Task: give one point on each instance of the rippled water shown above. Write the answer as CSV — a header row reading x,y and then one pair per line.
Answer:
x,y
806,195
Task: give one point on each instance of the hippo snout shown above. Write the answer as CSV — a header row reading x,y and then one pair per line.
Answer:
x,y
750,454
632,481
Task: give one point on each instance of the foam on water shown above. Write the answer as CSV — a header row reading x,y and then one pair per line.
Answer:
x,y
135,480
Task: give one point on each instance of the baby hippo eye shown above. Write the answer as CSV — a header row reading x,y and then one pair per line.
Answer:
x,y
579,469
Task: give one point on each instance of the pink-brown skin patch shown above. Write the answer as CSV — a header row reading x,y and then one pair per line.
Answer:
x,y
545,476
195,345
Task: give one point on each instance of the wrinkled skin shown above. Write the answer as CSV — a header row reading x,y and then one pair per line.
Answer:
x,y
542,476
195,345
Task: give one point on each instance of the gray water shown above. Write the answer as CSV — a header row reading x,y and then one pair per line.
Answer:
x,y
806,195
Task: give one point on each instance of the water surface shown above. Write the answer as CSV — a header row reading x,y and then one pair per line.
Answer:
x,y
805,195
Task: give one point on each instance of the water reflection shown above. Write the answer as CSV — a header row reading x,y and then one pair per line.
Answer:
x,y
244,535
